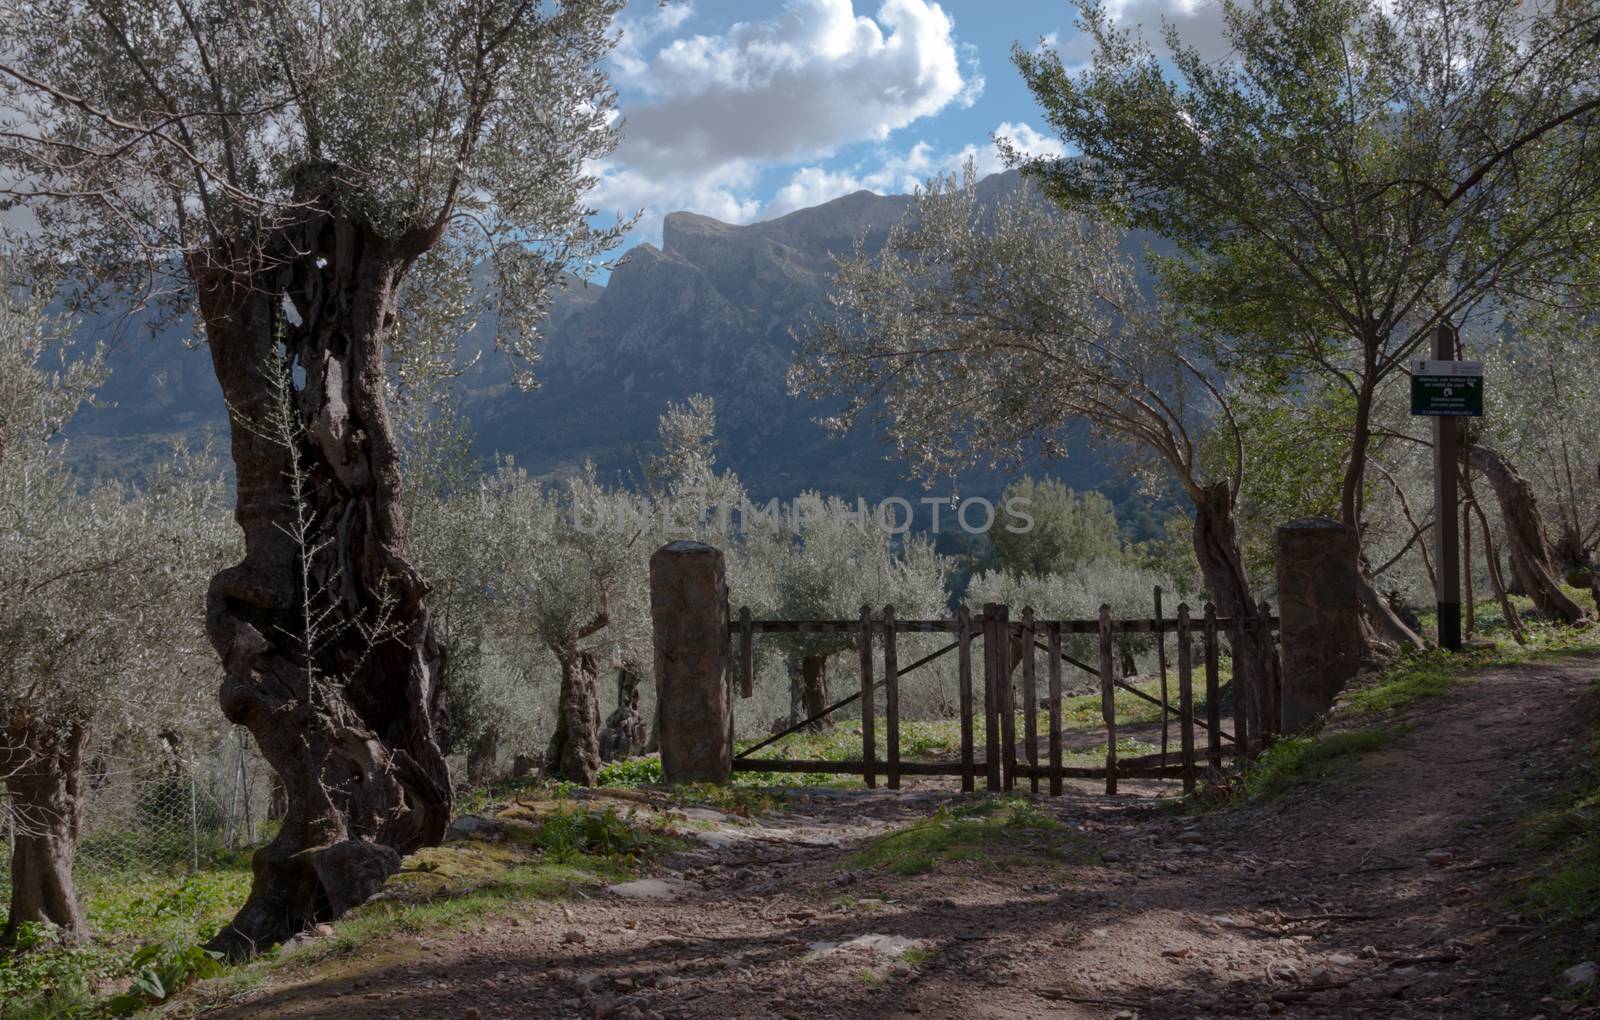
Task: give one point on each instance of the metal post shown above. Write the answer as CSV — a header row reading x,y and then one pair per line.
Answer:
x,y
194,824
1447,535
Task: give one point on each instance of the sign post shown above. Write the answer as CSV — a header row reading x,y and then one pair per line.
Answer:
x,y
1445,389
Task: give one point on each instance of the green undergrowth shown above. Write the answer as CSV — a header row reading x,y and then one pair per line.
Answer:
x,y
139,918
1429,674
1564,836
149,926
987,830
1360,722
1294,761
541,847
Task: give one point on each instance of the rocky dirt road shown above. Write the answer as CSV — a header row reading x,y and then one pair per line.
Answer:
x,y
1385,892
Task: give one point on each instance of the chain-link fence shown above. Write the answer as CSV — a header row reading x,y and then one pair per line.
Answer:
x,y
168,808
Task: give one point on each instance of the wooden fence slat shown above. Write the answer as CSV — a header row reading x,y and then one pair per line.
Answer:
x,y
1054,652
1185,699
1161,659
891,697
868,749
964,680
991,698
1243,692
1008,700
1108,698
747,673
1213,691
1030,698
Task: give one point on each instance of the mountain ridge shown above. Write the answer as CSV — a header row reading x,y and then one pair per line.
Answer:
x,y
712,310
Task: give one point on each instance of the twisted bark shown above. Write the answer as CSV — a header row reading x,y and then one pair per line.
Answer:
x,y
814,690
329,654
1525,535
574,752
625,733
43,764
1216,548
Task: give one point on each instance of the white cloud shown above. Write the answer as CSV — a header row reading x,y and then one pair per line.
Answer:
x,y
1200,23
723,192
796,86
635,32
902,173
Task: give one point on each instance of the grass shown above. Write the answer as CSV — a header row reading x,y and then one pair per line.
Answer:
x,y
1360,717
1429,674
982,830
1296,760
548,849
924,739
43,976
1565,836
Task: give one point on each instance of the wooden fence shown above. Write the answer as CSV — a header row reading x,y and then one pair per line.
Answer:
x,y
1006,644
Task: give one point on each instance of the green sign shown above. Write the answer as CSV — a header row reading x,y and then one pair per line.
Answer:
x,y
1447,389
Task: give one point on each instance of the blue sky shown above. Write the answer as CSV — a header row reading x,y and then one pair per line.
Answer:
x,y
745,111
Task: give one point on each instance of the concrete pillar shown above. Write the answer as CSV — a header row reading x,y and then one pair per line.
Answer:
x,y
689,619
1319,603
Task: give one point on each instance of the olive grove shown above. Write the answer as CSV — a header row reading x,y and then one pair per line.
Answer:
x,y
285,170
101,591
1355,176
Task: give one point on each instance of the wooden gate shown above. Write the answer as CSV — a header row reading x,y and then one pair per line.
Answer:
x,y
1010,651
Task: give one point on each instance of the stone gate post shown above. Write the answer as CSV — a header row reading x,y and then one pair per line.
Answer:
x,y
1319,603
694,690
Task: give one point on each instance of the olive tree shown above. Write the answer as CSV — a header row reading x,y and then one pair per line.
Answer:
x,y
979,327
100,597
561,579
1066,529
1545,386
283,169
1356,174
825,560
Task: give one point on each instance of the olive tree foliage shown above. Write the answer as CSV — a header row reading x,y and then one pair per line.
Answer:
x,y
101,591
826,561
296,171
1065,529
1354,175
1544,386
1077,594
561,580
979,327
441,471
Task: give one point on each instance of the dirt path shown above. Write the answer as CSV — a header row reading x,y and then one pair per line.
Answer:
x,y
1381,894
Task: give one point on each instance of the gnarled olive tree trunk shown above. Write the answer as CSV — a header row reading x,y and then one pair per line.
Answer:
x,y
1525,535
814,690
574,752
625,733
329,655
43,766
1216,547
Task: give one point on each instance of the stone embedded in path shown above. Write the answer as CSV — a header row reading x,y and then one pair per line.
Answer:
x,y
653,889
471,826
894,946
1584,975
